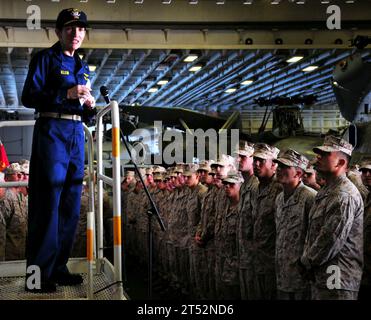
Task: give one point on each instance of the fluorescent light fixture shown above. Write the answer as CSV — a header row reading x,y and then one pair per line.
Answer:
x,y
195,68
247,82
163,82
349,1
300,2
294,59
193,2
275,1
92,67
153,89
325,1
220,1
166,1
230,90
191,58
248,1
138,1
310,68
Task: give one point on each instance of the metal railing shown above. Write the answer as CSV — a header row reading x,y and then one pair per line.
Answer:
x,y
115,183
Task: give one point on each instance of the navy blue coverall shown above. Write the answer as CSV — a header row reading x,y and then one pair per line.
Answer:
x,y
57,160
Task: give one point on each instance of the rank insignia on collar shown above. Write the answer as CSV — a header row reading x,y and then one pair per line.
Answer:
x,y
65,72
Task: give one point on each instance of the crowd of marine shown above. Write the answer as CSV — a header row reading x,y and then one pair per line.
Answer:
x,y
259,224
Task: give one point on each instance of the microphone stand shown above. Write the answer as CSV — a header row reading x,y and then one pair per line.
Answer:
x,y
153,211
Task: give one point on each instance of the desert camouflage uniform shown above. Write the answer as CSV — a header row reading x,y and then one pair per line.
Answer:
x,y
262,238
244,224
291,228
335,238
355,177
13,225
205,230
226,260
366,279
196,254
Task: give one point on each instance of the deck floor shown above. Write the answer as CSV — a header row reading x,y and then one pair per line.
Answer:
x,y
12,288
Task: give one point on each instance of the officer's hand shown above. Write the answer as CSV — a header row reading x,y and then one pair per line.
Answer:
x,y
90,102
79,92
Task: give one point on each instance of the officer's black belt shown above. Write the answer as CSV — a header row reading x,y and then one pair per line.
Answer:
x,y
57,115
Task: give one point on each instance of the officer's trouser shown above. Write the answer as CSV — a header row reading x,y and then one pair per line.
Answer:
x,y
55,185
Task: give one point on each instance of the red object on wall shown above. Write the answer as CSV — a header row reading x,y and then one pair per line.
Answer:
x,y
4,162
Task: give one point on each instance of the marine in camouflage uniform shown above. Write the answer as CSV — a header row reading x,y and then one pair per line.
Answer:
x,y
194,206
365,290
226,258
293,206
13,218
245,166
205,235
222,167
261,237
335,232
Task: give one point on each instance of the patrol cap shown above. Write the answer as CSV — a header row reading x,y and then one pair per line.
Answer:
x,y
245,148
292,158
159,169
157,176
223,161
179,168
234,177
190,169
333,144
71,16
365,164
265,151
205,165
25,168
149,170
13,169
23,161
129,173
310,167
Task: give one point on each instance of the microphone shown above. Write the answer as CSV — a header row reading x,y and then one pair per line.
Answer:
x,y
104,93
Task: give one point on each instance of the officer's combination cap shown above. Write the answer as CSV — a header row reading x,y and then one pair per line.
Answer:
x,y
71,16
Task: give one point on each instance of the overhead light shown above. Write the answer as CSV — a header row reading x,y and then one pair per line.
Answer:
x,y
294,59
92,67
195,68
220,1
138,1
163,82
275,1
191,58
310,68
81,55
349,1
248,1
247,82
193,2
325,1
166,1
153,89
300,2
230,90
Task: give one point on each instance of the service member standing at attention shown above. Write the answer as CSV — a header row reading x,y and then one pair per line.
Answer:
x,y
245,166
262,235
333,249
293,206
57,86
365,290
